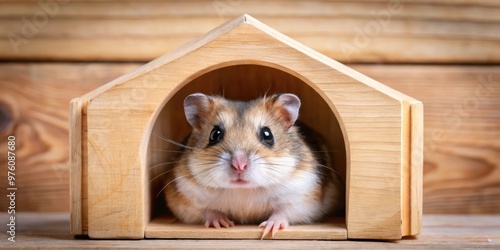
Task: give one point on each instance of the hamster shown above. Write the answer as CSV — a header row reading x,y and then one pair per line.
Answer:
x,y
247,162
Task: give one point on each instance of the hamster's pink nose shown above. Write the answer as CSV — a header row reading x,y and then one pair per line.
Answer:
x,y
239,162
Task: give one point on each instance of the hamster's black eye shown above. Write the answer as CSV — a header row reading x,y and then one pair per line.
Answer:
x,y
266,136
216,135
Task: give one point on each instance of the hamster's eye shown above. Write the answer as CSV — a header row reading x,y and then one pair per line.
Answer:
x,y
266,136
216,135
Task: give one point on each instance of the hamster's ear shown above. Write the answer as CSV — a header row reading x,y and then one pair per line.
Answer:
x,y
288,108
196,107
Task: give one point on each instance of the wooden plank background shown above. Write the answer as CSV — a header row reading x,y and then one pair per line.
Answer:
x,y
445,53
462,129
417,31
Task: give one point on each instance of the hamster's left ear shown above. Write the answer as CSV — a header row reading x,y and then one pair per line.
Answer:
x,y
196,109
288,106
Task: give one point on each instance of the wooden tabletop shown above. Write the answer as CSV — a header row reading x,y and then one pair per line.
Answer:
x,y
51,231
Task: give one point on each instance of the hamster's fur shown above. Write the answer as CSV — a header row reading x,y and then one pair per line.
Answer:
x,y
248,162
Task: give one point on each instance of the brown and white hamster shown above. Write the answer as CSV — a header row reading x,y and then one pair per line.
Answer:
x,y
248,162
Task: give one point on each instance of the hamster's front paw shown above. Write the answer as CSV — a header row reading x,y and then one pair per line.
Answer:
x,y
217,219
273,224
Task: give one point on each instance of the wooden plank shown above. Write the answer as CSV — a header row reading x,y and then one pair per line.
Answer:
x,y
116,203
351,31
416,167
51,231
36,100
412,169
406,168
75,171
461,170
461,137
168,227
208,8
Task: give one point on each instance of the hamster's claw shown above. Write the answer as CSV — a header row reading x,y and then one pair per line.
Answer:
x,y
219,223
273,226
217,219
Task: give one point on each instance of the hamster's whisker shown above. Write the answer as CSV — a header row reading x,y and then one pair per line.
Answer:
x,y
327,167
172,141
225,159
278,164
205,162
202,171
213,156
319,164
164,163
257,156
202,177
167,150
207,179
312,170
331,169
324,151
279,184
224,149
161,190
163,173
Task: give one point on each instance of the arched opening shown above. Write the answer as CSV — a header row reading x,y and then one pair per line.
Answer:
x,y
239,82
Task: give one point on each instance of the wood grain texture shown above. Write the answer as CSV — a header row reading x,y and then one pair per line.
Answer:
x,y
461,176
412,170
462,133
168,228
416,168
36,98
51,231
76,178
351,31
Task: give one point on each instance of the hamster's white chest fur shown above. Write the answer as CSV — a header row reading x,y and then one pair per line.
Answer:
x,y
251,205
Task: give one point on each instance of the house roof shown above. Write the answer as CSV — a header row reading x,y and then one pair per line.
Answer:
x,y
259,27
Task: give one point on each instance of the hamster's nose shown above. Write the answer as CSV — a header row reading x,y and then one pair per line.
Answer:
x,y
239,161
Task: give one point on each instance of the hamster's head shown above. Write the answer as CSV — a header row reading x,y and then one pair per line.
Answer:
x,y
237,144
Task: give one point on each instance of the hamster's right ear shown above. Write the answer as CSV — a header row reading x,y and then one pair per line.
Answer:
x,y
196,107
288,108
